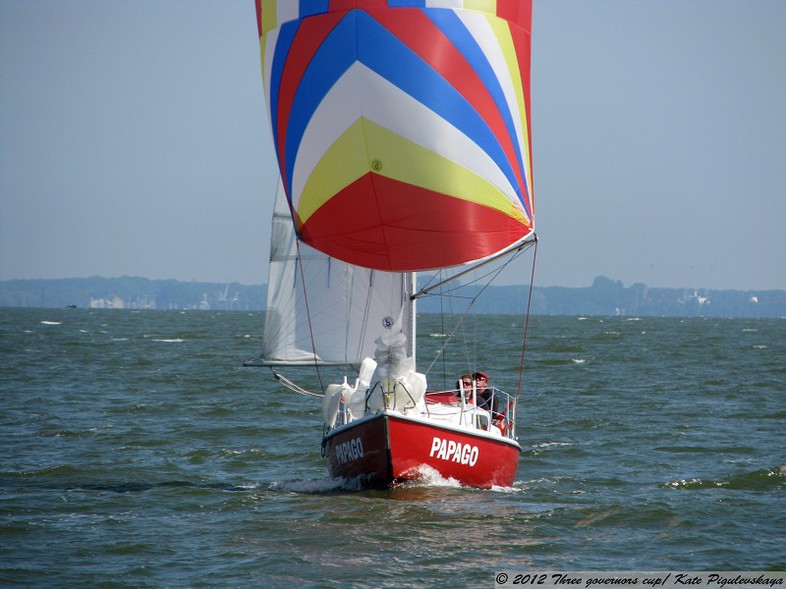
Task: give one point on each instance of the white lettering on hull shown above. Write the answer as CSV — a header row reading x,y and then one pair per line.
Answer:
x,y
453,451
349,451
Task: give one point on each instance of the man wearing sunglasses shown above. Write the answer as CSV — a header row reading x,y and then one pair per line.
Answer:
x,y
485,397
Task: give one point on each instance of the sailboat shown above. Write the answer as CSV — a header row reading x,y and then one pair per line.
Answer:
x,y
401,129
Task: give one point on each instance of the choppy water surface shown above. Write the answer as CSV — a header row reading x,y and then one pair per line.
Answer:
x,y
137,451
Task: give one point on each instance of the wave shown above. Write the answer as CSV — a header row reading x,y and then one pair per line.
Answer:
x,y
706,449
772,479
17,480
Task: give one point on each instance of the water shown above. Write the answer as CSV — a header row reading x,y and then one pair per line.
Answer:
x,y
138,452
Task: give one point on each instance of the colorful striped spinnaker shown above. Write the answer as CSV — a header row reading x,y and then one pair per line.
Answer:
x,y
402,127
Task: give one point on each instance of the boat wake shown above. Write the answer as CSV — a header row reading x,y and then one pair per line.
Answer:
x,y
422,477
426,476
318,486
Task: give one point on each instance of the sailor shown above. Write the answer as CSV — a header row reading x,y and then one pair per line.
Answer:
x,y
486,399
481,381
485,395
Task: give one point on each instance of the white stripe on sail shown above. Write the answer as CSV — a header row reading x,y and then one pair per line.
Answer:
x,y
393,109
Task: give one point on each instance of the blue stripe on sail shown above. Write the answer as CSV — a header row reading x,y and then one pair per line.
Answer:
x,y
312,7
336,54
286,34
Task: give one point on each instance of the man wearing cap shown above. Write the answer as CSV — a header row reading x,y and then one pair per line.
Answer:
x,y
484,395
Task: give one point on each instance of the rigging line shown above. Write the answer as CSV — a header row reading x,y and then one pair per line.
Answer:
x,y
473,300
441,351
308,316
513,251
454,292
526,319
292,386
446,298
366,313
442,331
488,278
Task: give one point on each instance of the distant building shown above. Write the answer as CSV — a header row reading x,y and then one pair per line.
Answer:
x,y
111,302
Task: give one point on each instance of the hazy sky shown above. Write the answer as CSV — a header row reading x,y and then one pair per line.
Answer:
x,y
134,141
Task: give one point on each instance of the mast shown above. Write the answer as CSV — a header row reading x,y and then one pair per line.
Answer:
x,y
413,321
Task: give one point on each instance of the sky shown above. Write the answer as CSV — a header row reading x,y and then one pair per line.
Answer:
x,y
134,142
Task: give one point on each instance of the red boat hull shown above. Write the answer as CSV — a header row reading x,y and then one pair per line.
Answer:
x,y
388,448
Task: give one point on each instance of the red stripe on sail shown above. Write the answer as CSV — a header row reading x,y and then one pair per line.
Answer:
x,y
340,5
518,12
258,6
381,223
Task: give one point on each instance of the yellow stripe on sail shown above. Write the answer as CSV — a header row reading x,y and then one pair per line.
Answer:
x,y
341,165
501,30
393,156
269,15
487,6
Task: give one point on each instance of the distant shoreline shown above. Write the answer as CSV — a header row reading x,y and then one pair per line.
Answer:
x,y
604,297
